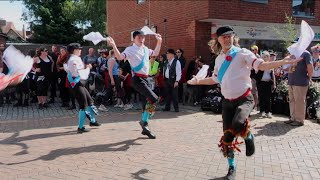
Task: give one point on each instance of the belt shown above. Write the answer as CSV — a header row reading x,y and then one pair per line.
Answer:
x,y
140,75
247,93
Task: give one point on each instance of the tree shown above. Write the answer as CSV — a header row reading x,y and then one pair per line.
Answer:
x,y
48,22
89,15
288,32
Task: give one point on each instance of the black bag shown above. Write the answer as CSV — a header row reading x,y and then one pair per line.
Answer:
x,y
312,110
216,105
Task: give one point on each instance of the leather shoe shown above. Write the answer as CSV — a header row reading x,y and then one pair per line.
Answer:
x,y
231,173
288,122
146,131
94,124
250,148
296,123
82,130
177,110
165,109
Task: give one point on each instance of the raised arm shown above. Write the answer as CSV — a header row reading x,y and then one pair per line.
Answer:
x,y
158,46
274,64
117,53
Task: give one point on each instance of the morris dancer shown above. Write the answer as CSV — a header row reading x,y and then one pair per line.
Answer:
x,y
232,71
138,57
76,72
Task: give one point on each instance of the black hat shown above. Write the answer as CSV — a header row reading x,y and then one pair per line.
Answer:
x,y
296,40
136,33
224,30
73,46
171,51
63,47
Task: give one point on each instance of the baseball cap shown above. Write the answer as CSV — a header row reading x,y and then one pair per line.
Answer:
x,y
73,46
223,30
136,33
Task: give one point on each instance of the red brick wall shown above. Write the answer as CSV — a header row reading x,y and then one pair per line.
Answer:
x,y
183,27
126,16
273,12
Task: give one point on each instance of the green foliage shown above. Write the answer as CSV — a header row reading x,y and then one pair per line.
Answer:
x,y
49,24
288,32
64,21
282,88
314,91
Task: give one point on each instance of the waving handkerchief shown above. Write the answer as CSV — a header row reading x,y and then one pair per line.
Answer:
x,y
17,63
147,30
84,73
306,37
95,37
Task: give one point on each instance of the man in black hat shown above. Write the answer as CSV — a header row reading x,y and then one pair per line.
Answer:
x,y
232,71
138,56
172,76
75,69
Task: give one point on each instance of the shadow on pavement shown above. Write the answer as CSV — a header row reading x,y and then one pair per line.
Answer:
x,y
277,128
15,140
124,145
136,175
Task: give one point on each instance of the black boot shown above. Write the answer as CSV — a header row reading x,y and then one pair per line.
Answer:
x,y
146,131
231,173
82,130
250,148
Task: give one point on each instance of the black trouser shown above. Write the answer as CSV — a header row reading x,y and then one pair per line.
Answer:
x,y
42,87
264,95
53,85
23,90
82,95
172,94
142,86
64,92
180,89
235,114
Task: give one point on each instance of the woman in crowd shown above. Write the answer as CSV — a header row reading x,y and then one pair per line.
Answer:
x,y
44,69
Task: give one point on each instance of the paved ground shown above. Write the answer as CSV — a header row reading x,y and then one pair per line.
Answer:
x,y
47,147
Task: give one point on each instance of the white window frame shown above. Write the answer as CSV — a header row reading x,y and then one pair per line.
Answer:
x,y
257,1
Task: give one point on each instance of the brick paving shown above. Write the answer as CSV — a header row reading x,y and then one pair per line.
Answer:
x,y
44,145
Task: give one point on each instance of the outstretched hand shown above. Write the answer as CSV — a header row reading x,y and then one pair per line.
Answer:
x,y
193,81
110,41
158,37
292,59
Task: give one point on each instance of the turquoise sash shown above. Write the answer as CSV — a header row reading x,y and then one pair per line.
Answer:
x,y
140,66
225,65
72,81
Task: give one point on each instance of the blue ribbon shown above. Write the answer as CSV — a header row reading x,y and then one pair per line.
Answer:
x,y
225,65
73,81
140,66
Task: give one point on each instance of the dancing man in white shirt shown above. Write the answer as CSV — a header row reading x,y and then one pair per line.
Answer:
x,y
138,56
86,106
232,71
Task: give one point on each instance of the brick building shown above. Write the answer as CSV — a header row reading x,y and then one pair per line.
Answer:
x,y
189,24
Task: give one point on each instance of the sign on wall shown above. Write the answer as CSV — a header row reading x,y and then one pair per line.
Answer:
x,y
258,31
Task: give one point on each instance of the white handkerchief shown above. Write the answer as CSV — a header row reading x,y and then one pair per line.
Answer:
x,y
17,62
84,73
306,37
147,30
203,72
95,37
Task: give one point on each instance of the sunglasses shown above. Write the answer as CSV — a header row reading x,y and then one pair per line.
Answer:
x,y
178,52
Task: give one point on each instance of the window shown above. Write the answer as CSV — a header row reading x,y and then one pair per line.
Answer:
x,y
303,8
257,1
141,1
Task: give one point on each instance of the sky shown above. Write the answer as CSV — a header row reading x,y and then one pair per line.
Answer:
x,y
12,11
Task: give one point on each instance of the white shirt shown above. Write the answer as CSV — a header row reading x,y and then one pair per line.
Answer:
x,y
266,75
134,54
316,67
74,64
236,80
178,70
